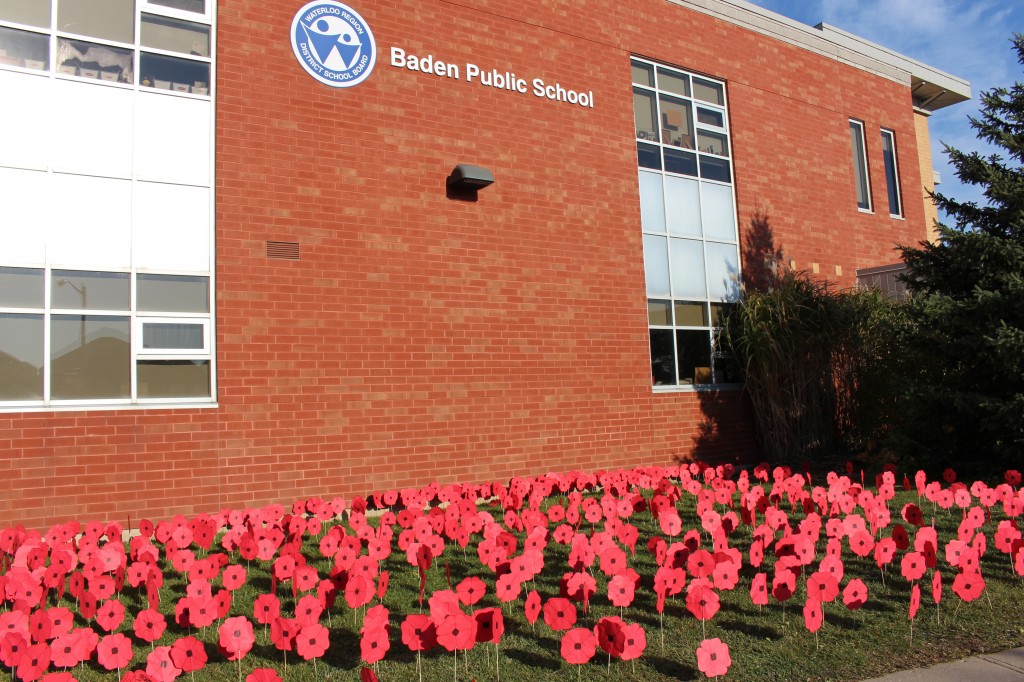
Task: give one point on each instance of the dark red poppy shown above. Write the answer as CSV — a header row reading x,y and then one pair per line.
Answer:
x,y
188,654
419,632
578,646
457,632
607,631
114,652
312,641
713,657
39,626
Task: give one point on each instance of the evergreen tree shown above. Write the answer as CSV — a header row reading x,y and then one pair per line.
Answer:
x,y
964,400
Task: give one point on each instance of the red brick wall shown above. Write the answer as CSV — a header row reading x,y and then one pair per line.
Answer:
x,y
420,338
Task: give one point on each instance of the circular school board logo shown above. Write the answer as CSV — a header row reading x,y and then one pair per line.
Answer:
x,y
333,43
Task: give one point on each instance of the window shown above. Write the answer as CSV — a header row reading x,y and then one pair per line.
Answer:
x,y
688,218
161,44
860,165
892,173
68,336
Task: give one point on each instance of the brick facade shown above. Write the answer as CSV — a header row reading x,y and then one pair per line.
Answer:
x,y
419,338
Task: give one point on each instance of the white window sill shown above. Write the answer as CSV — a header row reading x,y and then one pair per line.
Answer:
x,y
95,407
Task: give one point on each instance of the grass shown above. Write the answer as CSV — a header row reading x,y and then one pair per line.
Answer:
x,y
766,644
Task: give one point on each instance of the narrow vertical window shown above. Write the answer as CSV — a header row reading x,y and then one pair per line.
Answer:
x,y
892,173
860,165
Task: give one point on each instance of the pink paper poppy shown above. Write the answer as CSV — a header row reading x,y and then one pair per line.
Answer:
x,y
419,632
265,608
855,594
308,610
457,632
312,641
915,600
149,625
532,607
912,566
968,586
443,603
114,652
12,647
702,601
34,662
65,652
233,577
630,641
578,646
937,587
470,590
236,637
713,657
263,675
813,616
283,632
621,591
759,589
822,586
188,654
559,613
159,665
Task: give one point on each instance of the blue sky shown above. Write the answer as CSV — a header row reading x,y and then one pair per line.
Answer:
x,y
967,38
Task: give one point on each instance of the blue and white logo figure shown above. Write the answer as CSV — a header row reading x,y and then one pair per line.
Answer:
x,y
333,43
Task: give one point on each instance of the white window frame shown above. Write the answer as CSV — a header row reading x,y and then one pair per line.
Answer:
x,y
892,173
861,165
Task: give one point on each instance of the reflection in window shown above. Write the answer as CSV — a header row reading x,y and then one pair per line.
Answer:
x,y
663,358
694,357
197,6
676,125
25,49
860,165
109,19
708,91
21,288
892,175
89,60
173,336
78,290
21,357
174,378
27,12
175,35
90,357
170,73
173,293
644,115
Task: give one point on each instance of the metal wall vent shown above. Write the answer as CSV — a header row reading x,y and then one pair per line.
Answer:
x,y
283,250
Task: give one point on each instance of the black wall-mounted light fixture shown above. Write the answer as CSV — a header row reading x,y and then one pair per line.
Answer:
x,y
466,180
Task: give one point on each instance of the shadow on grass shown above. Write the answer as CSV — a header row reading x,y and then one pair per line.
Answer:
x,y
758,631
671,669
532,658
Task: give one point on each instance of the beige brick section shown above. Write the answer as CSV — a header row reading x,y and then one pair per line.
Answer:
x,y
924,159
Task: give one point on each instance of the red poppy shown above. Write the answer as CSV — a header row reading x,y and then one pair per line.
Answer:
x,y
202,611
532,607
605,631
470,590
149,625
813,616
233,577
912,566
855,594
457,632
39,626
59,677
578,646
283,632
419,632
713,657
65,651
702,601
490,625
189,654
236,637
443,603
937,587
159,665
114,651
822,586
266,608
12,647
670,523
308,609
508,587
701,564
263,675
885,551
559,613
759,589
969,585
34,662
61,621
621,590
312,641
726,574
915,600
630,641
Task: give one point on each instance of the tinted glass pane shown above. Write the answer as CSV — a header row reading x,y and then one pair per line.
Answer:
x,y
644,115
656,265
663,358
720,313
89,357
171,73
694,348
682,206
684,163
659,313
175,35
77,290
676,123
173,378
648,156
198,6
173,293
652,203
687,268
891,173
643,74
109,19
172,335
710,117
21,288
708,91
24,48
723,265
715,169
691,314
673,82
28,12
21,357
719,220
89,60
860,169
712,143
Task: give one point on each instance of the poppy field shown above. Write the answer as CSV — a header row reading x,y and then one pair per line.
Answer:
x,y
683,572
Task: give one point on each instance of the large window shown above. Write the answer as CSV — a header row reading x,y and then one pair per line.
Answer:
x,y
70,337
860,165
892,173
159,44
688,217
